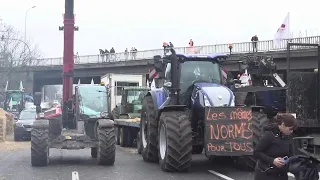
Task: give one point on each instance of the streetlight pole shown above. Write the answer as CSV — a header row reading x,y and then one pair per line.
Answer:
x,y
25,23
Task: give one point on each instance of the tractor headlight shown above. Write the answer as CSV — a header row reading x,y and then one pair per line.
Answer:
x,y
206,101
104,114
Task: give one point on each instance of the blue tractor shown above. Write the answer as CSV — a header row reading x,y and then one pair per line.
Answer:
x,y
190,110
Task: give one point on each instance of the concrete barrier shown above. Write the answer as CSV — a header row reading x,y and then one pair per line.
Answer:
x,y
6,124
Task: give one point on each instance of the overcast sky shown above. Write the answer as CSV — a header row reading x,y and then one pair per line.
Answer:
x,y
145,24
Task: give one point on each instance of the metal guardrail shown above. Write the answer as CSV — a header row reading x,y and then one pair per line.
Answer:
x,y
244,47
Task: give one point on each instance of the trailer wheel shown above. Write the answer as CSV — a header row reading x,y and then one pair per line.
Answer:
x,y
107,146
117,132
259,120
139,144
149,130
94,152
40,146
197,149
175,141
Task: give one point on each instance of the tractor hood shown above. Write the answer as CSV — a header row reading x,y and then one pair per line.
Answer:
x,y
216,94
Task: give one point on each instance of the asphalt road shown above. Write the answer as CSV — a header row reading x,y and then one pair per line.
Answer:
x,y
15,165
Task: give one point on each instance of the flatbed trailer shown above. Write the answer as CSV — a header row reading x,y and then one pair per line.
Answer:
x,y
127,131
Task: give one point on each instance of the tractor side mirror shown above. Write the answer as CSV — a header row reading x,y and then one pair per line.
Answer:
x,y
37,99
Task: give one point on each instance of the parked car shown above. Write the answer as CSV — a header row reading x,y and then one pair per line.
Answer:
x,y
23,125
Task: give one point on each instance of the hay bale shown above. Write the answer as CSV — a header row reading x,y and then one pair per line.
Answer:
x,y
6,124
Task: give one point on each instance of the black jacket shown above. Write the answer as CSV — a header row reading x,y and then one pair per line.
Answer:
x,y
304,167
271,145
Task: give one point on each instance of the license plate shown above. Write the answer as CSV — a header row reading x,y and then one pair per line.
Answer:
x,y
28,129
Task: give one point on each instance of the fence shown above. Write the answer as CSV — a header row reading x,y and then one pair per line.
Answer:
x,y
244,47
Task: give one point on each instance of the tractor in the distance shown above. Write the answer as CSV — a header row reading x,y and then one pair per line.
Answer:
x,y
89,127
131,103
190,110
15,99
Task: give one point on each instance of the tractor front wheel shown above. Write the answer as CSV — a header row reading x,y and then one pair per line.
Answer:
x,y
175,141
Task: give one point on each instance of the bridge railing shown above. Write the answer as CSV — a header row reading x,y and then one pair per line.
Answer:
x,y
244,47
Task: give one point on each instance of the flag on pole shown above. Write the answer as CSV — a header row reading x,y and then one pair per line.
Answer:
x,y
283,32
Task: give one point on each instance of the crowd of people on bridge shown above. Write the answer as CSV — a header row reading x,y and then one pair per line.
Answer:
x,y
110,56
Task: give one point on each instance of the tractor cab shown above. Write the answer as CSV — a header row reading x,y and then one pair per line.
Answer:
x,y
131,102
14,100
198,72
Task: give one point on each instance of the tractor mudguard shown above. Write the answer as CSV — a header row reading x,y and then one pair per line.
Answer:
x,y
105,123
43,123
173,108
154,99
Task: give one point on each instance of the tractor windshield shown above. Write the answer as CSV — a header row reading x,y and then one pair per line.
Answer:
x,y
94,100
16,96
135,96
193,71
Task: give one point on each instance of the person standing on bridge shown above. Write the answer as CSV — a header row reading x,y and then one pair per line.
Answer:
x,y
126,54
254,40
273,146
112,54
191,43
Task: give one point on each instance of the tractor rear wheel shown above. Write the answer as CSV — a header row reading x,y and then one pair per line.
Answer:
x,y
40,144
107,146
259,120
139,144
149,130
175,141
117,132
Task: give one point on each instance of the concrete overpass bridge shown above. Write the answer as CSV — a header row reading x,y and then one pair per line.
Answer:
x,y
49,70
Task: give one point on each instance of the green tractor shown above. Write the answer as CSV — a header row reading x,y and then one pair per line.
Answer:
x,y
14,99
131,103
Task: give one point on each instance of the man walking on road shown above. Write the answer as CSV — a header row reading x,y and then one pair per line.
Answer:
x,y
254,41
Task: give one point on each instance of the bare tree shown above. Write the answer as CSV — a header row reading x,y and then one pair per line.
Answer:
x,y
15,54
14,51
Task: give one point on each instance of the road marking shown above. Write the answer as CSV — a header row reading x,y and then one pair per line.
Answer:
x,y
220,175
75,175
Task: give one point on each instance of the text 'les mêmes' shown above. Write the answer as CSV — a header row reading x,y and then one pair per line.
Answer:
x,y
238,114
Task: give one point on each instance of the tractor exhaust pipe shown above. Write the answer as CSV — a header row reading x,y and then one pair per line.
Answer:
x,y
175,78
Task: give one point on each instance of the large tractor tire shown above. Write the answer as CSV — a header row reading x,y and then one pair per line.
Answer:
x,y
175,141
40,143
259,120
125,138
149,130
107,146
139,144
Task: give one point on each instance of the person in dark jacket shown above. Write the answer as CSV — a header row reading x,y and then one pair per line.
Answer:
x,y
273,146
